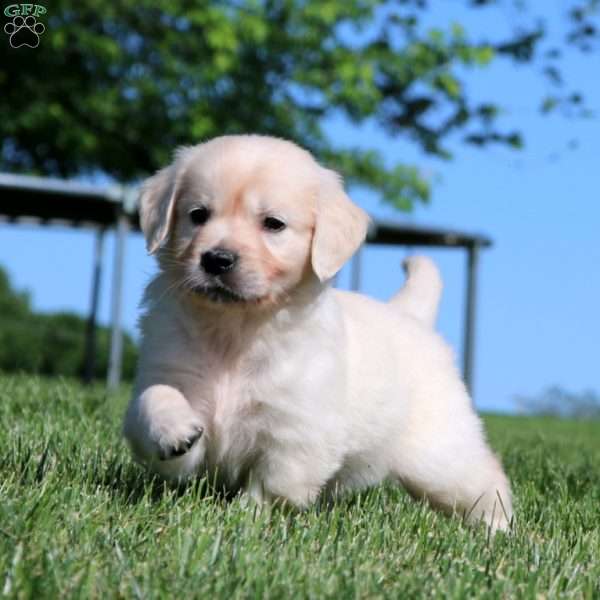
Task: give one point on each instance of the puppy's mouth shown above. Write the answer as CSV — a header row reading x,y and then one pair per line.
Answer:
x,y
219,292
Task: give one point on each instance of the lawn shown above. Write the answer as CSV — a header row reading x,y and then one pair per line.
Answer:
x,y
78,519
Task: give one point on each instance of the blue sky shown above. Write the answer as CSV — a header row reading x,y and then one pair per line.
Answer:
x,y
539,293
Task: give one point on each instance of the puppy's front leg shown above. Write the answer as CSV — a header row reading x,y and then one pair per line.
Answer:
x,y
267,487
291,476
165,432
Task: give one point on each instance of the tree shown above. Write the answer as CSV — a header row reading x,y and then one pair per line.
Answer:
x,y
114,87
558,402
50,344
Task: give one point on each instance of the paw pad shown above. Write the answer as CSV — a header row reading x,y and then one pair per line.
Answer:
x,y
24,31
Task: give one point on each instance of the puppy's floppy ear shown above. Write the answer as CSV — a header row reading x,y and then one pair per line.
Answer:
x,y
340,228
157,199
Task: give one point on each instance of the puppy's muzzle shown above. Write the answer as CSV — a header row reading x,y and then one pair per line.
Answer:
x,y
218,261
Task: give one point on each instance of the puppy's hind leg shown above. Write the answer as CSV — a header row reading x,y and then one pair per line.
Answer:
x,y
422,290
450,465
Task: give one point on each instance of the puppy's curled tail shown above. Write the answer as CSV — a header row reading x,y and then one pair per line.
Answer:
x,y
420,295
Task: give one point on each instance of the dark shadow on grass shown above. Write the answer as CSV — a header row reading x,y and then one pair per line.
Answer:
x,y
131,484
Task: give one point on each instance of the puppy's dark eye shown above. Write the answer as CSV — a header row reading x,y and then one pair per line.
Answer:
x,y
199,216
273,224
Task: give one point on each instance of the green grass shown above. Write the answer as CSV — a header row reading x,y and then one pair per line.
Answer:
x,y
78,519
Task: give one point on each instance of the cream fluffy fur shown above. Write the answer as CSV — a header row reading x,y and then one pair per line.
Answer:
x,y
266,375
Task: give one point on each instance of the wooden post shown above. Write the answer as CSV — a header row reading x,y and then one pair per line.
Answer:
x,y
470,314
90,334
116,337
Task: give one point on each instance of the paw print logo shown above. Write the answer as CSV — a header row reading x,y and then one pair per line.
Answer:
x,y
24,31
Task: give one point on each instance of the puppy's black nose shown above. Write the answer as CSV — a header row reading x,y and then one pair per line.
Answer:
x,y
218,261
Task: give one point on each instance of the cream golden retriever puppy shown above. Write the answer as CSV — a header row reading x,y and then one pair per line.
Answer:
x,y
255,370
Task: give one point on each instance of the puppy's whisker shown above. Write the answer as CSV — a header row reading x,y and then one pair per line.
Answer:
x,y
177,287
173,261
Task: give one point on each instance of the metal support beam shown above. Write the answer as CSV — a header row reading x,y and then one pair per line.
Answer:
x,y
116,337
470,314
90,334
356,274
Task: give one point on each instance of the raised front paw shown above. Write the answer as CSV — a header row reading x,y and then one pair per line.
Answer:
x,y
167,436
173,433
178,446
165,432
170,447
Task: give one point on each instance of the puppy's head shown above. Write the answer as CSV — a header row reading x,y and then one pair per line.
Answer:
x,y
246,219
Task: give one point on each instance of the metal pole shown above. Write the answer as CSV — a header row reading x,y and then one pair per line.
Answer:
x,y
90,334
116,337
356,274
470,313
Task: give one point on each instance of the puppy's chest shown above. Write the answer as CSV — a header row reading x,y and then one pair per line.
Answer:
x,y
237,415
248,399
231,395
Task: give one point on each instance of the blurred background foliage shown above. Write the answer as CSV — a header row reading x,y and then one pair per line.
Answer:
x,y
558,402
50,344
114,87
